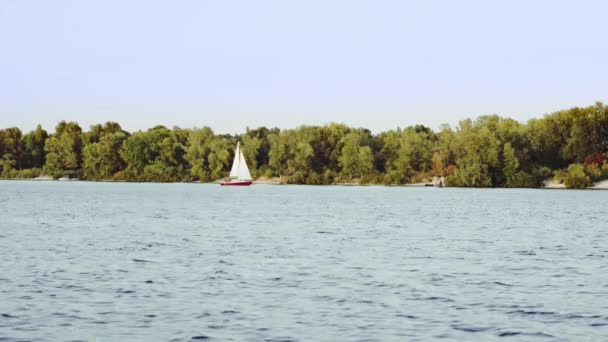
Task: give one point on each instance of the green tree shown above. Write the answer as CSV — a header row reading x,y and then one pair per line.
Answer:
x,y
64,149
279,153
97,131
487,151
221,152
197,153
299,165
356,160
11,149
588,132
476,149
156,155
251,148
33,144
407,154
329,141
576,178
257,151
510,165
102,160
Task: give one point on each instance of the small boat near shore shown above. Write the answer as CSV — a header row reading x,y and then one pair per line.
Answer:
x,y
239,173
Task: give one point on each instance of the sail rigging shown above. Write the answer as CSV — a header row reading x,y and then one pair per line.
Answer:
x,y
239,168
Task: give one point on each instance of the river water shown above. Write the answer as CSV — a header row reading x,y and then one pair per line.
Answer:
x,y
179,262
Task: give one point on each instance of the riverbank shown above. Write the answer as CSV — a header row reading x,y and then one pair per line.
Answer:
x,y
549,184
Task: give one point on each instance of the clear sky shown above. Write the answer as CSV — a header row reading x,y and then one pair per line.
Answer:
x,y
231,64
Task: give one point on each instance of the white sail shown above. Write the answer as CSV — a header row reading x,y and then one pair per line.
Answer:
x,y
243,170
239,170
234,171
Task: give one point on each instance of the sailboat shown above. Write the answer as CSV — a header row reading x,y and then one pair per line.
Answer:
x,y
239,173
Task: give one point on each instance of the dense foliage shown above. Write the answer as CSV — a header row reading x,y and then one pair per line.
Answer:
x,y
490,151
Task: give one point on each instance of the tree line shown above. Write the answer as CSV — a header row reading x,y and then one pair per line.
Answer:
x,y
570,145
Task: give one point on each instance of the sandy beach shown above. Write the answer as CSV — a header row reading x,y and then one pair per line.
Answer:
x,y
601,185
553,184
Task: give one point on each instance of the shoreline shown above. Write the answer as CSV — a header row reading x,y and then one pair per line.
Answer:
x,y
551,185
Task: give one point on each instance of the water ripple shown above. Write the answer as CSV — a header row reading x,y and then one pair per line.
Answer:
x,y
180,262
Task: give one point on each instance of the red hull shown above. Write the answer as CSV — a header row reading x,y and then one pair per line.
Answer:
x,y
239,183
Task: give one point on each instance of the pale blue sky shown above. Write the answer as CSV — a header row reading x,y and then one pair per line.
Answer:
x,y
232,64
